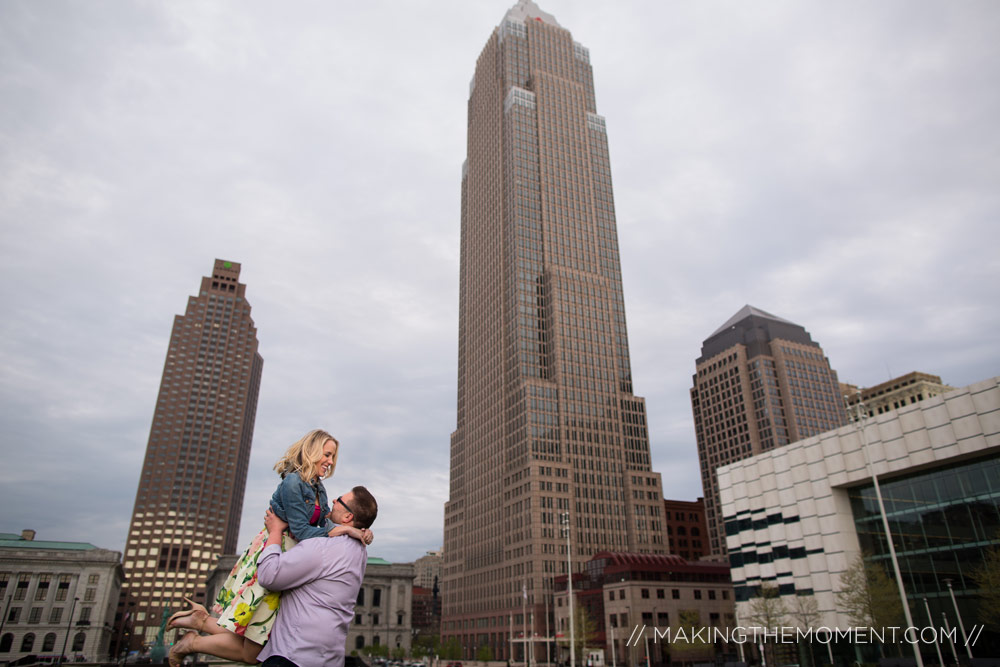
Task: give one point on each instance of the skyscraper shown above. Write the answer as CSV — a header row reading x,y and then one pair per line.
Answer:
x,y
547,423
760,382
190,496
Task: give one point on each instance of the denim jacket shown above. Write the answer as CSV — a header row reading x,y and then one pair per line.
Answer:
x,y
294,501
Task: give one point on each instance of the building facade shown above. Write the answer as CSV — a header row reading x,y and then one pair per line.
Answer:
x,y
427,570
761,382
58,598
895,393
796,517
621,591
687,529
383,615
190,493
547,426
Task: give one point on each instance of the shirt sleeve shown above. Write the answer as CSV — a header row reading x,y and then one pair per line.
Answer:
x,y
299,501
277,571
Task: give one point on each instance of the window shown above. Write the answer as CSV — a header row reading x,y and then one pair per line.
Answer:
x,y
660,593
94,579
645,593
697,594
42,590
84,615
35,615
377,597
78,641
22,589
399,618
49,643
55,616
63,588
28,643
359,642
14,615
675,594
711,594
361,597
374,619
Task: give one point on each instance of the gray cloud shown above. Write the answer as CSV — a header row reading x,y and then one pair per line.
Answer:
x,y
833,164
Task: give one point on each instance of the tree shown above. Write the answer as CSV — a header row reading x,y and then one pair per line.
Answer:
x,y
484,653
425,645
868,596
805,611
584,632
987,577
451,649
768,611
688,637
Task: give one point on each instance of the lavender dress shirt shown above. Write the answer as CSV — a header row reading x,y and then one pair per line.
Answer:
x,y
319,579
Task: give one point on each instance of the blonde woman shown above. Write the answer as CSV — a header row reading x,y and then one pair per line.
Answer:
x,y
246,609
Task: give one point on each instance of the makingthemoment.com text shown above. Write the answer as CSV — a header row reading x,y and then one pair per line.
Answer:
x,y
822,635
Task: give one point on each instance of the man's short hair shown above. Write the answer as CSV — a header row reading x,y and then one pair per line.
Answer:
x,y
364,506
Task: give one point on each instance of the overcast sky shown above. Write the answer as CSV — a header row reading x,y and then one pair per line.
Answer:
x,y
835,164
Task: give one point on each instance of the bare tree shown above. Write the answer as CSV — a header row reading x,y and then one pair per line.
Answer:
x,y
768,611
805,611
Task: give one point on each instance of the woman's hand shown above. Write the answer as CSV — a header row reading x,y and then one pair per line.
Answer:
x,y
362,535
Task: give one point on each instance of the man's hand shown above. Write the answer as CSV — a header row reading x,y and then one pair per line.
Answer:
x,y
274,523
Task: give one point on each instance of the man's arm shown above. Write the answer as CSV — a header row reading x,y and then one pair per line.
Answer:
x,y
279,571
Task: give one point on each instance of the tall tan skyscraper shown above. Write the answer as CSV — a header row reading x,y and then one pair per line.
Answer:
x,y
761,382
190,495
547,422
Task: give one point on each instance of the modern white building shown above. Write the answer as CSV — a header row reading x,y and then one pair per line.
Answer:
x,y
796,516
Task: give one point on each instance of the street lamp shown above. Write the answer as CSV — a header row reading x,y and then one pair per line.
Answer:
x,y
961,625
859,417
569,568
69,628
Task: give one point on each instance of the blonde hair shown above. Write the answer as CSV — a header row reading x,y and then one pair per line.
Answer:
x,y
303,456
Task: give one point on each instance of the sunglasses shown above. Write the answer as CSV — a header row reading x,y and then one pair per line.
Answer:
x,y
346,506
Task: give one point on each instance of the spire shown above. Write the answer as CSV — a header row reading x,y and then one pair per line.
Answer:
x,y
526,10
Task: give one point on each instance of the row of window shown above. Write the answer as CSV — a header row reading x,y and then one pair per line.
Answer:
x,y
48,642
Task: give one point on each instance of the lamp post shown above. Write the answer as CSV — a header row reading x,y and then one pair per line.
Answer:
x,y
958,614
69,628
569,590
937,645
947,628
859,425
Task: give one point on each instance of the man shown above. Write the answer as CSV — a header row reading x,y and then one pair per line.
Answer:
x,y
319,580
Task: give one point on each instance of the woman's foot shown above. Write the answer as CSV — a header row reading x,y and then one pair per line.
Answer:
x,y
189,619
181,648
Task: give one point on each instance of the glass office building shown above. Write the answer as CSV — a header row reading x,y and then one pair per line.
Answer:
x,y
943,521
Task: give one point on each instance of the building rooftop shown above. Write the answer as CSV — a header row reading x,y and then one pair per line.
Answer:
x,y
754,328
15,541
526,9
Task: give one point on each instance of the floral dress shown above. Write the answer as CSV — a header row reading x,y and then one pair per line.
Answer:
x,y
244,606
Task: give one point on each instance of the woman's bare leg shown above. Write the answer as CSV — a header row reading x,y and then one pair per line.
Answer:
x,y
221,644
